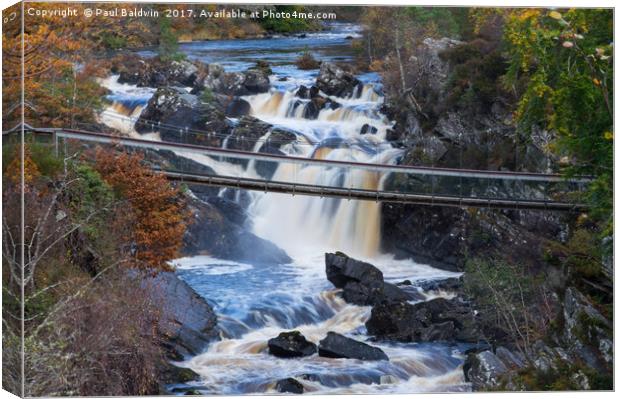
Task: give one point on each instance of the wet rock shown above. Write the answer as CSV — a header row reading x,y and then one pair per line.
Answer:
x,y
237,108
263,66
307,93
484,370
213,233
341,269
289,385
334,81
291,344
247,134
339,346
368,129
436,320
362,283
153,72
229,209
187,323
252,81
181,117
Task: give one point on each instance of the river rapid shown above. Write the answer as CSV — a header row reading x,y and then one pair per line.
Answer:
x,y
255,302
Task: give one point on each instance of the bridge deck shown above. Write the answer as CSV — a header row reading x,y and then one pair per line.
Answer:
x,y
420,183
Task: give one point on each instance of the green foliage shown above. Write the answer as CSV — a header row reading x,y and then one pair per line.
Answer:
x,y
516,298
90,196
168,42
288,25
476,70
446,21
113,41
207,96
567,64
42,155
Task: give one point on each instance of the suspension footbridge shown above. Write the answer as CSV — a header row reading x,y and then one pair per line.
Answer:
x,y
392,183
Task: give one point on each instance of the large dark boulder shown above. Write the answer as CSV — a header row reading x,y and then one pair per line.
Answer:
x,y
238,108
247,134
362,283
334,81
436,320
289,385
291,344
187,323
341,269
339,346
182,117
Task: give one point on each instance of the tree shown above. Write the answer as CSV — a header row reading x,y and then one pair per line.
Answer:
x,y
564,62
157,210
168,42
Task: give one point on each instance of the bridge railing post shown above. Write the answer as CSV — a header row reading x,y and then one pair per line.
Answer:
x,y
55,138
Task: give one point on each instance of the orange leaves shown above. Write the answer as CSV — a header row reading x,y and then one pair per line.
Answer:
x,y
157,211
13,170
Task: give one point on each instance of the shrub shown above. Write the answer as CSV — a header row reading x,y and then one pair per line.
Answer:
x,y
307,61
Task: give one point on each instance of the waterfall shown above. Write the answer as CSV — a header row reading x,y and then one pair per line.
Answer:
x,y
306,224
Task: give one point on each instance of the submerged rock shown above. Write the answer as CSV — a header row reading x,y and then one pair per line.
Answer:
x,y
289,385
291,344
339,346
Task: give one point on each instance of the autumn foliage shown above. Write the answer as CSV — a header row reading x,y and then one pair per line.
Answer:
x,y
156,210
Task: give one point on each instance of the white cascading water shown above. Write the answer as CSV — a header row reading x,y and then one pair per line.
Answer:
x,y
311,224
256,302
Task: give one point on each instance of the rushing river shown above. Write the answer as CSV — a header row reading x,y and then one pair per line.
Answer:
x,y
255,302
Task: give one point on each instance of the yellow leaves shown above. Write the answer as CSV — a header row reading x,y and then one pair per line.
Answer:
x,y
608,135
555,15
596,81
529,13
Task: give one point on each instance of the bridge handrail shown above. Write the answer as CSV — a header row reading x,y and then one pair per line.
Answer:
x,y
424,170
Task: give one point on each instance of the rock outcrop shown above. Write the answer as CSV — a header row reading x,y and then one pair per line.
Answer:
x,y
436,320
335,81
153,72
182,117
213,233
187,323
217,80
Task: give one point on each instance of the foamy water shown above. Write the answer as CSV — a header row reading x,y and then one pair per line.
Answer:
x,y
256,302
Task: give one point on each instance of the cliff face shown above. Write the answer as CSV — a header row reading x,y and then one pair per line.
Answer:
x,y
437,129
438,123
